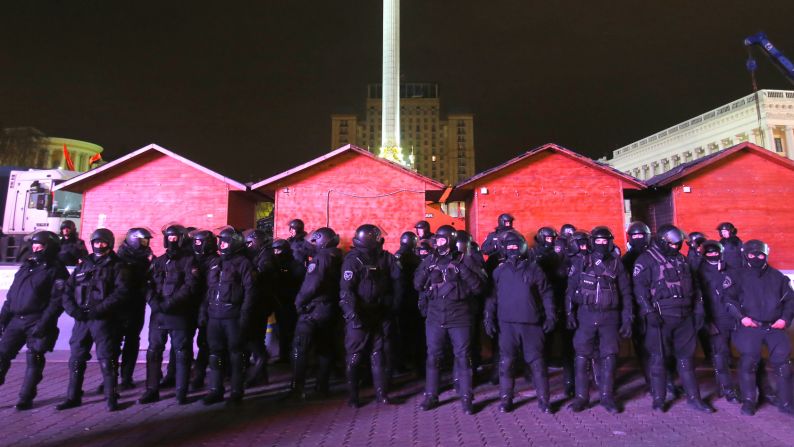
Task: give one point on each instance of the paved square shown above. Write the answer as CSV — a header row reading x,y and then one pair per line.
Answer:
x,y
264,419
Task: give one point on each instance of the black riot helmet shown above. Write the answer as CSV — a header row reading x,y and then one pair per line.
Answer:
x,y
727,226
505,220
449,235
712,252
639,235
695,240
255,239
138,237
204,242
567,230
543,233
176,230
408,240
756,253
579,243
297,225
324,238
463,242
422,229
368,237
102,235
602,232
70,225
512,244
281,247
50,243
670,239
232,238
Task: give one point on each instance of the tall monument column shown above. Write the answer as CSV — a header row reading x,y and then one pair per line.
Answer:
x,y
390,96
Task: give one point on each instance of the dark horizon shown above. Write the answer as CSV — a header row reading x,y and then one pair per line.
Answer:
x,y
249,91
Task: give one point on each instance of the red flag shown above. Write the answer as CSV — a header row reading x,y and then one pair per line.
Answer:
x,y
68,158
95,158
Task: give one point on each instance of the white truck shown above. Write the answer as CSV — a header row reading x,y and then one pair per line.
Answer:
x,y
32,205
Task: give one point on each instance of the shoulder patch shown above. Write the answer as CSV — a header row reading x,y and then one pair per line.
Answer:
x,y
195,272
348,275
727,283
311,267
637,269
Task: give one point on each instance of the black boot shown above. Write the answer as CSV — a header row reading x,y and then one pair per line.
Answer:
x,y
154,361
609,366
686,371
768,393
380,379
110,380
129,356
237,382
215,394
784,397
182,375
541,379
5,364
568,374
722,372
658,377
506,384
352,375
432,384
199,367
464,374
747,385
33,375
582,380
430,401
258,375
467,403
595,366
169,379
324,362
74,392
299,367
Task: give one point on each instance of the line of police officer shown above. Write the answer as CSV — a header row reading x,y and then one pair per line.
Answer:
x,y
227,291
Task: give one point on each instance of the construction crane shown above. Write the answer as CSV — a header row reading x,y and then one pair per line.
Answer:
x,y
779,59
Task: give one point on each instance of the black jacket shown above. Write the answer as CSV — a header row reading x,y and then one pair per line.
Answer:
x,y
599,285
301,248
521,293
172,290
231,290
718,286
370,288
733,252
319,292
765,296
100,284
449,285
665,284
72,250
36,292
138,263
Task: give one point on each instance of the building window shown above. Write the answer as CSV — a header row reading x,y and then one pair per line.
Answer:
x,y
778,145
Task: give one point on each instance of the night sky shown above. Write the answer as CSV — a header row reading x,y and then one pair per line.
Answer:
x,y
247,88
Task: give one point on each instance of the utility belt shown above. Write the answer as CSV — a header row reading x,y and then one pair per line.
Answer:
x,y
28,317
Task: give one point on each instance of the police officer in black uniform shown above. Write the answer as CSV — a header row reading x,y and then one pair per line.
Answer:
x,y
638,236
72,247
286,278
172,299
764,308
731,244
316,304
449,284
718,285
474,260
136,254
554,266
370,293
599,306
411,338
205,252
522,301
259,251
93,296
301,248
694,256
30,313
672,306
423,232
227,312
490,247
